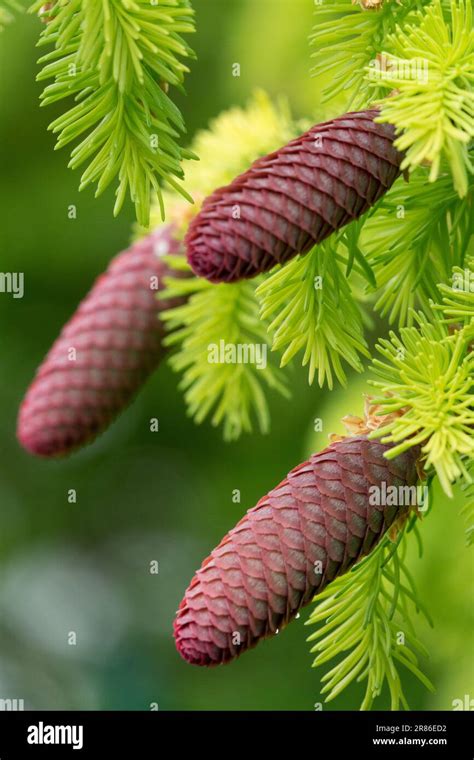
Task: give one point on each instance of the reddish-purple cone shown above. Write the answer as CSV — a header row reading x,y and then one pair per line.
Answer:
x,y
311,528
103,355
294,198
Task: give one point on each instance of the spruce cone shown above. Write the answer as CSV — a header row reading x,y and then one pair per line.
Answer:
x,y
311,528
293,198
103,355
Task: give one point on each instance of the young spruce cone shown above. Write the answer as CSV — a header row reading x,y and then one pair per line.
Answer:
x,y
311,528
293,198
103,355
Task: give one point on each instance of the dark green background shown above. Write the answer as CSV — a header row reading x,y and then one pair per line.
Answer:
x,y
84,567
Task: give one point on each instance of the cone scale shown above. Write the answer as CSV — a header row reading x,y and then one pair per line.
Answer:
x,y
310,529
294,198
103,355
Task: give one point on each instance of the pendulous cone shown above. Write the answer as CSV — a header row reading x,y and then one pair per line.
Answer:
x,y
104,353
310,529
294,198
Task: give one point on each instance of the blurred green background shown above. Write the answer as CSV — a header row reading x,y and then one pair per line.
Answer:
x,y
141,497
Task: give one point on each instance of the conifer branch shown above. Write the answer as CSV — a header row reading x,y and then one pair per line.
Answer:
x,y
312,310
428,374
365,616
116,60
458,298
346,38
233,395
418,233
434,113
209,331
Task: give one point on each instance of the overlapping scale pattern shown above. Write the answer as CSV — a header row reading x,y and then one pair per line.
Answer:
x,y
308,530
104,353
293,198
